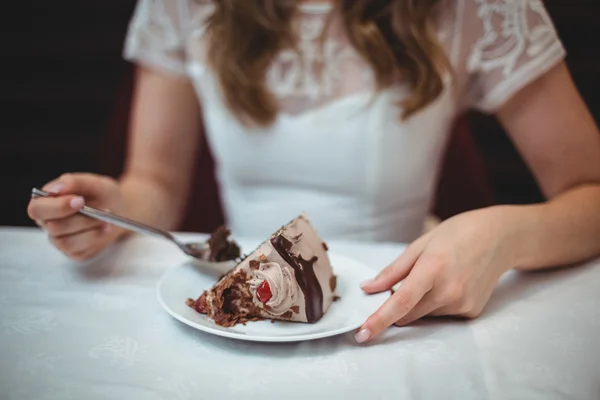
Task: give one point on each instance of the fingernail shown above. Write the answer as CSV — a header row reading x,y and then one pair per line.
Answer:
x,y
365,283
362,335
76,203
56,188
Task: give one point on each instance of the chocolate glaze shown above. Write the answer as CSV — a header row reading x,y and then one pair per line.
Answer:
x,y
305,276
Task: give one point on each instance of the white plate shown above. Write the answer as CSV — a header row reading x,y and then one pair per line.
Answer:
x,y
347,314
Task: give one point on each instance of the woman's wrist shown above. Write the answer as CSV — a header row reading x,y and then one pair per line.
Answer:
x,y
519,235
149,202
556,233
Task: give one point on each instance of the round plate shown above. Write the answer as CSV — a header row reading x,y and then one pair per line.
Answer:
x,y
347,314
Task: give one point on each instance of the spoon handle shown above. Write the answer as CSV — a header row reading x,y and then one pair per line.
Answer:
x,y
113,219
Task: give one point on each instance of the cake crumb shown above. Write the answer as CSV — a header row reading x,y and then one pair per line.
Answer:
x,y
333,283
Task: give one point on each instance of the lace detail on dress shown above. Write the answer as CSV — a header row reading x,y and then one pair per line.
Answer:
x,y
317,73
495,46
512,43
525,29
295,75
154,36
153,24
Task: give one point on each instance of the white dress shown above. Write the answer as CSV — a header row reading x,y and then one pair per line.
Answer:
x,y
337,150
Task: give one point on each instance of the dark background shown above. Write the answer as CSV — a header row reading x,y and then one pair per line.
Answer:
x,y
65,104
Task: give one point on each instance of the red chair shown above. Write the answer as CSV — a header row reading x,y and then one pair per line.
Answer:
x,y
463,183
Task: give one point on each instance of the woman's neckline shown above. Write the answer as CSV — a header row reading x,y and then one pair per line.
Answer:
x,y
320,7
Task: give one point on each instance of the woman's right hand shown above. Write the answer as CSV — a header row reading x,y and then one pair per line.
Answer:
x,y
76,235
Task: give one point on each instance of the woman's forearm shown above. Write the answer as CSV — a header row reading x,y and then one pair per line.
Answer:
x,y
152,202
165,135
563,231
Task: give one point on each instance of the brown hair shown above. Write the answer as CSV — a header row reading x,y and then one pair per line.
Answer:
x,y
396,38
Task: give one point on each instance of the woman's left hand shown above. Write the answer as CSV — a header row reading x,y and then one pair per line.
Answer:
x,y
451,270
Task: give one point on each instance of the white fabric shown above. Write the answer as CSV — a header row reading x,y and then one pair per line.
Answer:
x,y
96,331
337,150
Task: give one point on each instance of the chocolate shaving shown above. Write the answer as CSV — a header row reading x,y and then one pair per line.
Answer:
x,y
199,304
232,301
333,283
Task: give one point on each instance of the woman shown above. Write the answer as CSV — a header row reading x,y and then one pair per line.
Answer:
x,y
342,109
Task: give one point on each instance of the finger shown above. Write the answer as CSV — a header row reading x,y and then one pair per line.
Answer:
x,y
48,208
415,286
80,242
84,184
71,225
397,271
391,274
94,250
426,306
458,311
87,254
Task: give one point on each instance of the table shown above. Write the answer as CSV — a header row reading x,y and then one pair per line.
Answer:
x,y
95,331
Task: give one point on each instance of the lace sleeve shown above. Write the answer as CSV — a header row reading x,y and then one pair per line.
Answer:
x,y
506,44
154,37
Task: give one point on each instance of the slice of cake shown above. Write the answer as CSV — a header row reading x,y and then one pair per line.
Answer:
x,y
288,277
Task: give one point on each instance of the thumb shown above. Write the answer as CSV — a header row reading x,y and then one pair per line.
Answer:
x,y
82,184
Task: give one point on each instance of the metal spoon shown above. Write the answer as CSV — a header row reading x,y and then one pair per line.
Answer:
x,y
200,251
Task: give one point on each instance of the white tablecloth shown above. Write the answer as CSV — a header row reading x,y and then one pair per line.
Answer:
x,y
96,331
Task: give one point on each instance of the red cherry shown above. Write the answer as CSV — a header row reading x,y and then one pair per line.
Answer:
x,y
264,292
